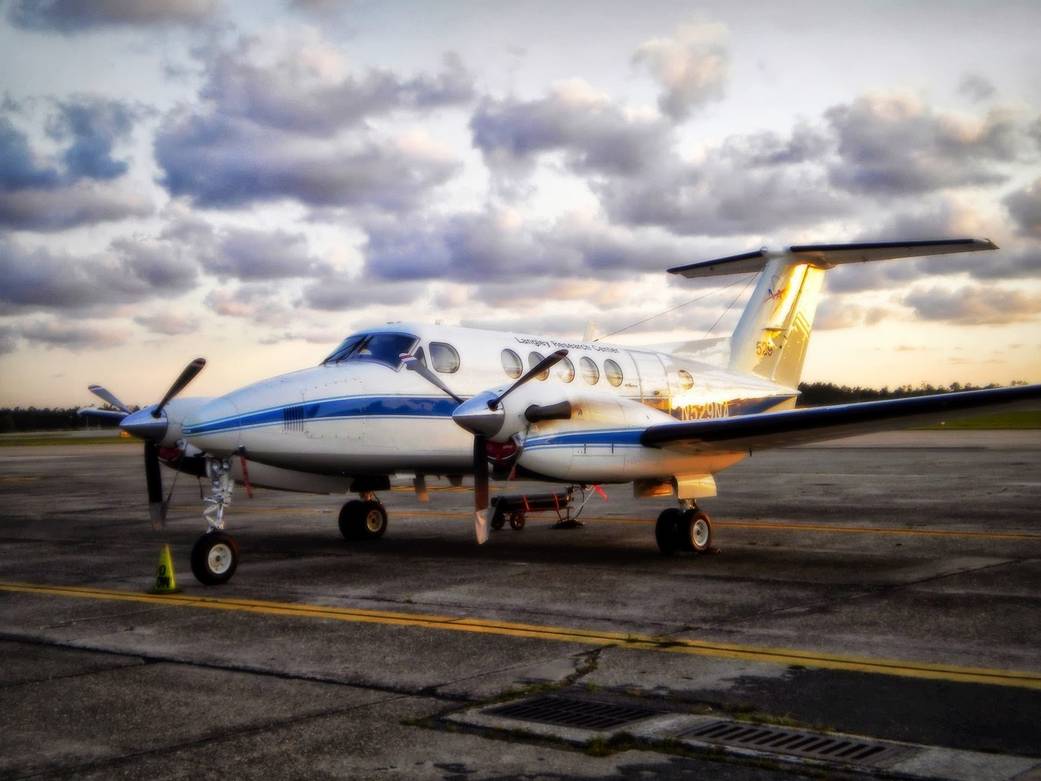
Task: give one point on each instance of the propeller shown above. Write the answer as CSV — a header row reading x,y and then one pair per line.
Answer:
x,y
108,396
544,365
150,425
483,416
186,376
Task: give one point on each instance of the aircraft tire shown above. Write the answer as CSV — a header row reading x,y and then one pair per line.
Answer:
x,y
695,530
517,520
215,556
372,521
350,519
667,531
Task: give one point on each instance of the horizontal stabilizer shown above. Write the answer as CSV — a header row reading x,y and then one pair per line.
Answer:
x,y
814,424
829,255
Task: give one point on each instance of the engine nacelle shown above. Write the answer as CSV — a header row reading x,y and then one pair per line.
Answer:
x,y
601,444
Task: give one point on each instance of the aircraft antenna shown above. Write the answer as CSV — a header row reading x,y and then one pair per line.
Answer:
x,y
686,303
740,293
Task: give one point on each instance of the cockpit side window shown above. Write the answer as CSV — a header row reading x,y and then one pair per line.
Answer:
x,y
380,348
347,346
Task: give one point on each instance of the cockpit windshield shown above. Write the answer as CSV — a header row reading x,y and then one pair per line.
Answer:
x,y
380,347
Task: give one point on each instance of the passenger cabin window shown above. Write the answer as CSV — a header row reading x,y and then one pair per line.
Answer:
x,y
533,359
613,372
566,370
444,357
385,348
590,373
686,380
511,364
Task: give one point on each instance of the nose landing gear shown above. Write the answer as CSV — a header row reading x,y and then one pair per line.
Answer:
x,y
687,529
215,555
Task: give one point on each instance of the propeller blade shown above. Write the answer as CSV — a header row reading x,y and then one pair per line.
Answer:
x,y
179,384
413,364
544,365
480,489
108,396
154,480
104,414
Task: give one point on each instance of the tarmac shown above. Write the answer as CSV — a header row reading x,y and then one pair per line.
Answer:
x,y
884,589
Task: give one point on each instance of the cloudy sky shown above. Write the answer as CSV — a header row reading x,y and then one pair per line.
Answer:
x,y
252,181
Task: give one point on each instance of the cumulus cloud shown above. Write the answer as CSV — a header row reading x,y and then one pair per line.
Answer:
x,y
342,293
974,305
748,184
41,195
70,335
258,254
836,312
8,339
498,244
72,16
168,323
79,204
1025,207
691,67
894,144
93,126
723,196
976,87
19,167
218,161
303,83
258,301
283,117
126,273
595,135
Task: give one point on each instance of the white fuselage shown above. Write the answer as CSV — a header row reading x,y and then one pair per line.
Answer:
x,y
365,417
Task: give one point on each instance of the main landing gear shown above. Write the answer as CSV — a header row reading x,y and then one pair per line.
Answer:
x,y
683,528
215,555
364,519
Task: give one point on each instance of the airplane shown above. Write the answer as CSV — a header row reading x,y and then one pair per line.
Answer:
x,y
434,400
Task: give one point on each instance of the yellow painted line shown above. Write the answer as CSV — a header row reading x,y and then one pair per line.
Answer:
x,y
767,526
634,641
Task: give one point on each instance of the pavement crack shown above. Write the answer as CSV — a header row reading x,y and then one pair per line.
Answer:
x,y
158,658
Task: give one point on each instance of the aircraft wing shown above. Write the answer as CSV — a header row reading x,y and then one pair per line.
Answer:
x,y
812,424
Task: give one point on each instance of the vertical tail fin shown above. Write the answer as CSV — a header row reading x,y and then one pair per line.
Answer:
x,y
773,334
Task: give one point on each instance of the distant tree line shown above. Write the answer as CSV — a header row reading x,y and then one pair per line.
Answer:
x,y
814,394
20,419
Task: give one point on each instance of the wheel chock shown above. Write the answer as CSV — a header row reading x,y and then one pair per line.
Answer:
x,y
165,580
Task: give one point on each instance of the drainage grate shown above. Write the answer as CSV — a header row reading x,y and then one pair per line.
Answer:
x,y
568,712
813,745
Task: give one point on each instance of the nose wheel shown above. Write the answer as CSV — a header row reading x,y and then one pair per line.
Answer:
x,y
683,530
215,555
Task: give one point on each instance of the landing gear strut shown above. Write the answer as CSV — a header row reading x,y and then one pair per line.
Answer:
x,y
364,519
215,555
686,529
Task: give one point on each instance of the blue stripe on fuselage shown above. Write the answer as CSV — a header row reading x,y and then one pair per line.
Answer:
x,y
429,407
332,409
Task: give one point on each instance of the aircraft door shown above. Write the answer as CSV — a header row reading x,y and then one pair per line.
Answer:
x,y
654,381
